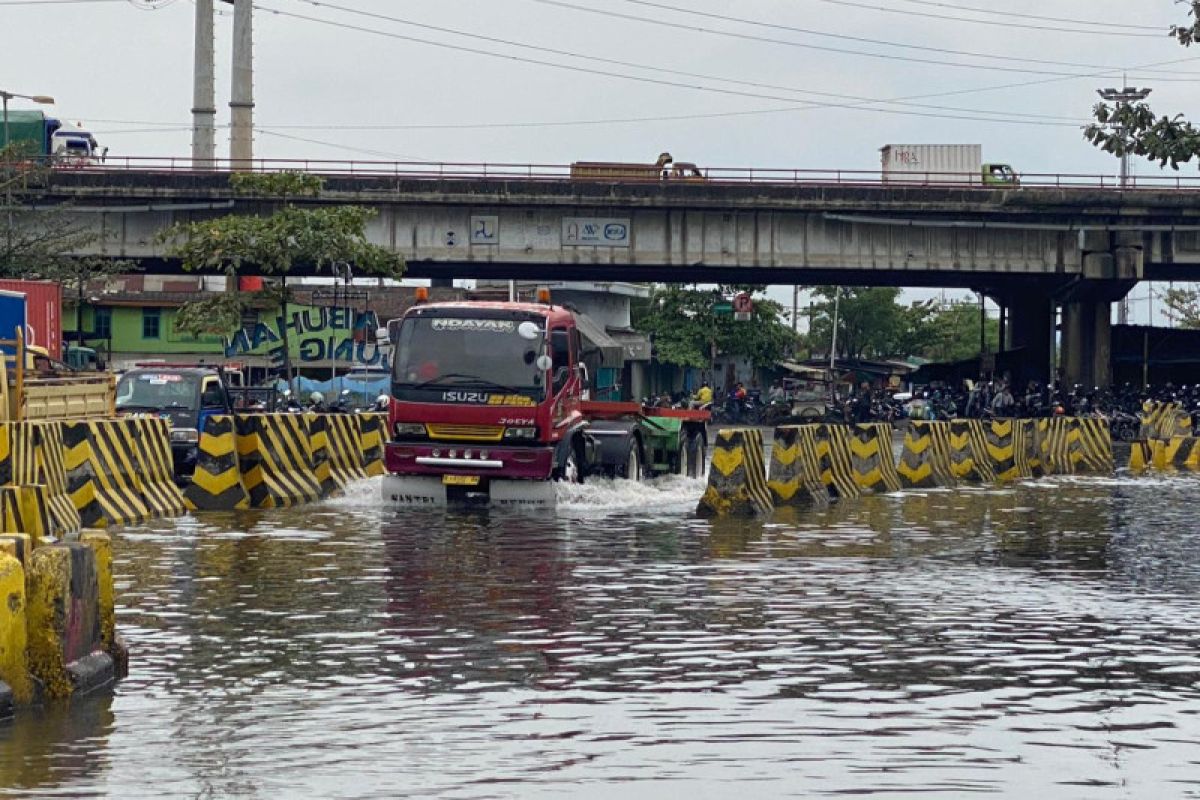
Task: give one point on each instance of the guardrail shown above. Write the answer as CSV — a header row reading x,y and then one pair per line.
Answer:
x,y
454,171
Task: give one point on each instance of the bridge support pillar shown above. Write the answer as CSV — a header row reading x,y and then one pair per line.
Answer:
x,y
1030,328
1087,341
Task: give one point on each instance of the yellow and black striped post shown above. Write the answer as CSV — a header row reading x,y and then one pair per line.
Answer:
x,y
794,479
925,459
737,478
1179,453
371,435
968,452
1164,420
275,460
871,459
831,443
217,482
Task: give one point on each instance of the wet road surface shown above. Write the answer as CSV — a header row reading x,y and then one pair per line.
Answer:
x,y
1037,641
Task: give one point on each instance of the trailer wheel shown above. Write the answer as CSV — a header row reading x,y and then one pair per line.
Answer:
x,y
631,468
697,456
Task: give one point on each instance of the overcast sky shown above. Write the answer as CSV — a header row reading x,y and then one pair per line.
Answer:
x,y
717,83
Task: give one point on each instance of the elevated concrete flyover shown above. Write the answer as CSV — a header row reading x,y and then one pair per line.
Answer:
x,y
1061,240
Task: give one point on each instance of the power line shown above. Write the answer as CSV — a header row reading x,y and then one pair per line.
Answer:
x,y
645,79
674,9
673,26
340,145
1017,15
1056,29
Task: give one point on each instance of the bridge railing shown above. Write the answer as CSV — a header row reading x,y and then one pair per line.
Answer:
x,y
455,171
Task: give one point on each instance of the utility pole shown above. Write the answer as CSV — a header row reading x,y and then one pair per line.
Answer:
x,y
204,103
1123,97
241,100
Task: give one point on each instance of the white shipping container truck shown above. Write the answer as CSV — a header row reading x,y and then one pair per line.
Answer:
x,y
940,164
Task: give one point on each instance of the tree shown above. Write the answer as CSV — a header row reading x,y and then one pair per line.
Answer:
x,y
1183,306
273,245
1135,129
871,323
686,329
953,332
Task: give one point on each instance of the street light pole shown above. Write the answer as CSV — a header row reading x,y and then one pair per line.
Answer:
x,y
1123,97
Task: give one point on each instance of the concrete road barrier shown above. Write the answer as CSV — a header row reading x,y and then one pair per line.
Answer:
x,y
968,452
151,439
65,641
834,465
14,661
794,479
25,509
925,459
1076,446
737,476
1002,441
371,435
217,482
275,460
1165,421
871,461
317,427
102,473
345,449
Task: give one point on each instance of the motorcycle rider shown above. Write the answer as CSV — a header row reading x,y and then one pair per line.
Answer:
x,y
703,396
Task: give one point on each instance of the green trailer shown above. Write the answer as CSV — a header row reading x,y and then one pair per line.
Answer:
x,y
30,129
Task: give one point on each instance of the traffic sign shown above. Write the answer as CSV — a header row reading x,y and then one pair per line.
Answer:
x,y
722,308
743,303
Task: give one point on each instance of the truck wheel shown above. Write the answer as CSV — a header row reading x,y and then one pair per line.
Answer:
x,y
697,456
572,469
631,469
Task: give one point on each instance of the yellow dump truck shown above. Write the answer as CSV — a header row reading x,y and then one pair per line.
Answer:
x,y
36,387
666,168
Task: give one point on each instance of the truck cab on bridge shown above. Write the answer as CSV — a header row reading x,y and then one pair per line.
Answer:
x,y
491,402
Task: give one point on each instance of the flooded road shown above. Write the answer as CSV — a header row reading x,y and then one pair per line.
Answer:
x,y
1038,641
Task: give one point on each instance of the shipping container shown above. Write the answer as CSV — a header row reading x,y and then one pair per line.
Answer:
x,y
932,163
12,316
43,314
27,126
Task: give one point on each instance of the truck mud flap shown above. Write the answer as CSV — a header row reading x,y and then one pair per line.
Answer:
x,y
522,495
413,491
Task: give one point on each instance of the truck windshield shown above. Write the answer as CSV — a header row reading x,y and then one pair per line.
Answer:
x,y
467,352
153,391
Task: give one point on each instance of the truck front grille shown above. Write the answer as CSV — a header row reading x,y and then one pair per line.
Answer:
x,y
465,433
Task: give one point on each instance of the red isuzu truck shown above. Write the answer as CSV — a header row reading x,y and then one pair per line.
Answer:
x,y
490,403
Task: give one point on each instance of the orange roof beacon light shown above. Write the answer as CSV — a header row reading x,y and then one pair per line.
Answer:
x,y
543,295
422,295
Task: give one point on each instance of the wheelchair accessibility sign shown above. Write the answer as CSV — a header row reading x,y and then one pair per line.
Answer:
x,y
595,231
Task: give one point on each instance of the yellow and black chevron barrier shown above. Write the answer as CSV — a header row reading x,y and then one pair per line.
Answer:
x,y
1141,455
793,478
925,459
317,427
1029,446
1078,446
968,452
871,459
1179,453
32,453
831,443
151,439
345,450
1002,440
737,478
1164,420
102,472
371,435
217,482
275,460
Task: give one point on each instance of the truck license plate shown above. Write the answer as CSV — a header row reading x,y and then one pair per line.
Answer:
x,y
460,480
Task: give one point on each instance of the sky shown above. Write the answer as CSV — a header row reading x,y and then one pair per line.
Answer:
x,y
805,84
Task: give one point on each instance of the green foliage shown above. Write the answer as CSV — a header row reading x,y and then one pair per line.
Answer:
x,y
291,236
1183,307
1135,129
873,324
686,329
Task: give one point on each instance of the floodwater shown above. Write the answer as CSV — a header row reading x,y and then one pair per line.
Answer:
x,y
1041,641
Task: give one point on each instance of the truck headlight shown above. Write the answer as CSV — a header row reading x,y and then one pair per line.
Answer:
x,y
408,429
520,434
185,435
